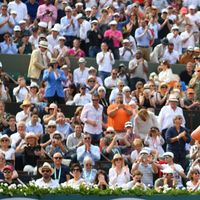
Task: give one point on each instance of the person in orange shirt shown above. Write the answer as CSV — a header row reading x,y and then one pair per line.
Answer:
x,y
119,114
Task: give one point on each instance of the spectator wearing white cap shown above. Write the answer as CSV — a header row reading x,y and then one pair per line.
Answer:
x,y
126,52
69,26
20,8
95,37
105,60
84,27
175,38
53,38
6,22
47,12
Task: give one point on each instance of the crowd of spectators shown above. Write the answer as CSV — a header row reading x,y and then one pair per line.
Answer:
x,y
115,120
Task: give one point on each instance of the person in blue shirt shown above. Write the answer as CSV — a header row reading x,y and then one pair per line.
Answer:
x,y
7,46
54,77
32,6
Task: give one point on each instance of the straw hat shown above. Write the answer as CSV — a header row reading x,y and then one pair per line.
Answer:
x,y
31,135
58,133
43,44
46,165
26,102
5,136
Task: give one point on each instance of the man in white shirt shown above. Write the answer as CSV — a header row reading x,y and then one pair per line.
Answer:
x,y
126,53
105,60
170,54
174,38
91,116
21,91
46,181
20,8
80,74
111,81
187,37
52,38
82,98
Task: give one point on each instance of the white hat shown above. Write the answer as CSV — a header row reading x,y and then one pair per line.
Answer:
x,y
46,165
6,137
88,10
42,24
190,48
68,8
43,44
64,67
125,41
61,38
91,69
128,124
94,22
90,77
164,11
101,88
22,22
1,64
17,28
116,14
31,135
113,22
34,84
110,128
13,12
51,123
53,105
167,170
81,60
192,7
172,97
55,29
175,27
168,154
143,151
79,16
58,133
126,89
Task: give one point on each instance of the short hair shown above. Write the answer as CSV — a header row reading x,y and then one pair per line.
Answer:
x,y
76,165
34,113
21,122
136,173
87,159
137,141
11,117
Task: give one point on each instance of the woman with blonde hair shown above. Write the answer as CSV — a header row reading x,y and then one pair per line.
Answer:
x,y
162,95
144,120
119,173
194,183
137,145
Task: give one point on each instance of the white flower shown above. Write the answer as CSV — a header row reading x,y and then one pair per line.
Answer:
x,y
5,184
1,190
12,186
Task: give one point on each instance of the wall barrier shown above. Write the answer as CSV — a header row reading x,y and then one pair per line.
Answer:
x,y
18,64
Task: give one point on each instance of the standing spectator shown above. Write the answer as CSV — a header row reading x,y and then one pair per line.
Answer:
x,y
21,91
167,114
76,50
175,38
91,116
53,38
118,115
69,26
54,77
114,37
46,181
143,37
104,60
176,138
87,149
171,55
95,37
195,83
119,172
20,8
80,74
32,7
126,52
47,12
39,61
138,68
111,81
6,22
8,46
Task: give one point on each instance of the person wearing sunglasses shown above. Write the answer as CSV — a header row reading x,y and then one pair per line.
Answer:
x,y
76,181
194,183
46,181
89,173
61,172
167,181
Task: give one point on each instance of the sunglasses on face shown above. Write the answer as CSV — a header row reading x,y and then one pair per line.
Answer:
x,y
51,127
4,140
117,159
76,170
87,138
88,164
91,81
58,158
95,99
110,132
45,170
6,172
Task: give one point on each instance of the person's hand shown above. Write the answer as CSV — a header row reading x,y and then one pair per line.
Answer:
x,y
87,147
93,123
50,69
115,138
182,134
55,112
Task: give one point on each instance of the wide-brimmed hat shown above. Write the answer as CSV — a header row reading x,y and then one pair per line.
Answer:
x,y
26,102
81,60
43,44
51,123
43,24
5,136
173,98
31,135
167,170
34,84
46,165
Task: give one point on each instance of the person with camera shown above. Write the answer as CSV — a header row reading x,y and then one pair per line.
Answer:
x,y
145,164
126,52
54,77
118,115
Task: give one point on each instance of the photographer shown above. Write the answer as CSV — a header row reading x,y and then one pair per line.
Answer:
x,y
146,99
54,77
